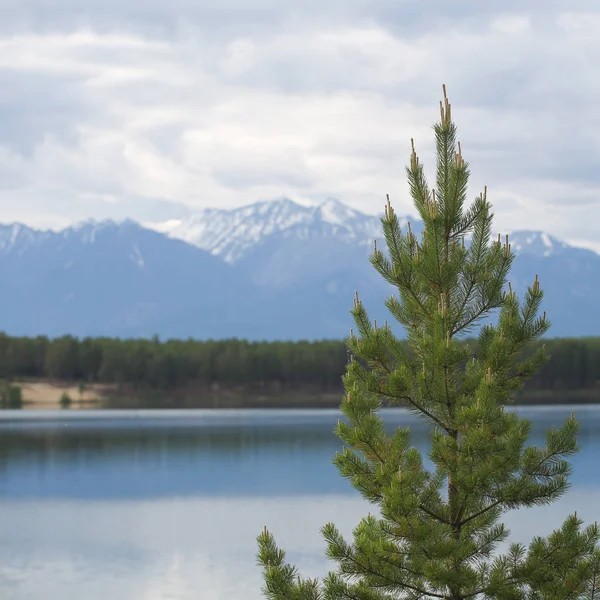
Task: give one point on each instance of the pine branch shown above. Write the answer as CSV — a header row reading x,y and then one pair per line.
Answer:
x,y
417,407
434,516
469,219
480,312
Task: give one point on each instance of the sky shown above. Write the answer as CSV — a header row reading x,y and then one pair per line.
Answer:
x,y
151,110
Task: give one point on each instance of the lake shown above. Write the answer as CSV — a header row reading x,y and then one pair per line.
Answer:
x,y
157,505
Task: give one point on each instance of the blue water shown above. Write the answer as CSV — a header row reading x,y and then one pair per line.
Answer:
x,y
145,505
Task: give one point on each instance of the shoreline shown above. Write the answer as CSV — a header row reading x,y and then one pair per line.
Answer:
x,y
46,395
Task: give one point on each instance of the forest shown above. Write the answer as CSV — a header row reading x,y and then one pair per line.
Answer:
x,y
151,364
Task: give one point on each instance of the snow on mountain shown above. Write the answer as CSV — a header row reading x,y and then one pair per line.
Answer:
x,y
228,233
231,233
87,231
537,243
17,238
334,212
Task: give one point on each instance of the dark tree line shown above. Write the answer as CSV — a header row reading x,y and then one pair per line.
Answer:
x,y
152,364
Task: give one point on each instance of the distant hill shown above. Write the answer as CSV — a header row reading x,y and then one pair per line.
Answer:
x,y
271,270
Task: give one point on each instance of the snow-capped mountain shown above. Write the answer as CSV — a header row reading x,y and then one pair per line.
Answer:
x,y
537,243
17,238
107,278
272,270
230,234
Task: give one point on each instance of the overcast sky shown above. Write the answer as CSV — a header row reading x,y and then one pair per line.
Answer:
x,y
151,109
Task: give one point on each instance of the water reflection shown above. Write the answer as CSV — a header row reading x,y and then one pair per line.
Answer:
x,y
158,454
155,506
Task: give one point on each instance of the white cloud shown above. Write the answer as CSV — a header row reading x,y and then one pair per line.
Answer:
x,y
580,24
511,24
100,120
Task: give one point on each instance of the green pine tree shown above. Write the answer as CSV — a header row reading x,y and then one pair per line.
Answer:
x,y
437,532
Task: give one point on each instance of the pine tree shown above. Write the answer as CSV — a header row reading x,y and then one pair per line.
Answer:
x,y
437,530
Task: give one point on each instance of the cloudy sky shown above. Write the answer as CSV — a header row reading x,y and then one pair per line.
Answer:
x,y
151,109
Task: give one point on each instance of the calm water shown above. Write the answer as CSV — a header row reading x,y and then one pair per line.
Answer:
x,y
156,506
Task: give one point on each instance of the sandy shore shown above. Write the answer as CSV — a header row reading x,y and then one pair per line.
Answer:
x,y
40,395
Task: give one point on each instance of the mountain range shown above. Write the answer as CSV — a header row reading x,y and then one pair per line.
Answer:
x,y
270,270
